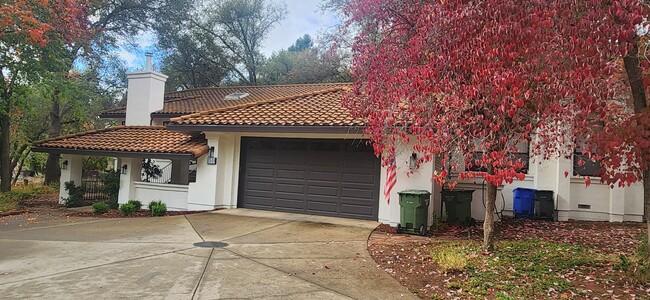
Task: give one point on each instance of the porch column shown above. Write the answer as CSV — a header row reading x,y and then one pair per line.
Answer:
x,y
180,171
128,177
71,168
202,194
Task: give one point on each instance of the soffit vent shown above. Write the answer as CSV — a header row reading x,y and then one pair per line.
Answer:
x,y
235,96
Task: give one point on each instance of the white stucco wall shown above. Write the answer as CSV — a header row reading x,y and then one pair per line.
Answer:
x,y
72,172
174,195
217,185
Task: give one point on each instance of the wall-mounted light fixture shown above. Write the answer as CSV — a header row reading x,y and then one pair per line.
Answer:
x,y
211,159
124,168
413,161
64,165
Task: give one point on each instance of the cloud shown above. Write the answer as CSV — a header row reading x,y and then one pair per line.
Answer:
x,y
303,17
128,57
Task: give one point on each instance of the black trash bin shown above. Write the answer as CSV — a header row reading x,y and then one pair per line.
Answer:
x,y
544,205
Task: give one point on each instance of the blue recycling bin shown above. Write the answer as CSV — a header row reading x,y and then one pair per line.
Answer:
x,y
524,202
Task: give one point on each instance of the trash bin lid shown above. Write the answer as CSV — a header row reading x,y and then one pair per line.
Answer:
x,y
414,192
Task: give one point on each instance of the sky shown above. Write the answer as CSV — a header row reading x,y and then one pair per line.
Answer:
x,y
303,17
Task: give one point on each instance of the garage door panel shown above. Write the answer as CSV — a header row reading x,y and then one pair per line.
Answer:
x,y
292,160
261,158
359,178
310,176
357,193
327,207
288,174
359,162
260,186
290,188
332,191
290,196
356,209
259,201
289,203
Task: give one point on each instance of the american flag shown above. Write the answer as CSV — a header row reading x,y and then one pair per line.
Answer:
x,y
391,178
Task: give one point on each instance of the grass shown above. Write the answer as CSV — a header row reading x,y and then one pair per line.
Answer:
x,y
11,200
450,257
529,269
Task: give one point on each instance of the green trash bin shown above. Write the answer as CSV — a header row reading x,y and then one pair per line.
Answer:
x,y
414,211
458,206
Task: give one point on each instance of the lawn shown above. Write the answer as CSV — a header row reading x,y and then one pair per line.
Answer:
x,y
533,260
20,197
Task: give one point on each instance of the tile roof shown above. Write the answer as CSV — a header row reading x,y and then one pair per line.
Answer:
x,y
203,99
129,139
319,108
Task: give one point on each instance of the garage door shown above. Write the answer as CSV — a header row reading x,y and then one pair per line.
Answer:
x,y
322,177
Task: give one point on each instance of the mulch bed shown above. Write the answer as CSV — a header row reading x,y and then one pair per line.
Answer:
x,y
114,213
408,257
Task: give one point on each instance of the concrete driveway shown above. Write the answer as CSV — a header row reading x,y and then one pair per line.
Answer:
x,y
268,256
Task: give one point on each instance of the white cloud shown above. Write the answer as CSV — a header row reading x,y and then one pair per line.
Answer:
x,y
127,56
303,17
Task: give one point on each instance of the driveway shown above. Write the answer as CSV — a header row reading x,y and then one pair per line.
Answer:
x,y
268,256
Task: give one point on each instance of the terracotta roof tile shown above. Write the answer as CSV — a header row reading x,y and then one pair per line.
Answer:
x,y
132,139
203,99
319,108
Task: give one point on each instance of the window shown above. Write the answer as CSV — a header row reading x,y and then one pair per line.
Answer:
x,y
523,155
583,165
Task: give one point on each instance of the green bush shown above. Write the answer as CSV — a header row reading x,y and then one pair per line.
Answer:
x,y
75,193
111,186
100,208
127,209
137,204
157,208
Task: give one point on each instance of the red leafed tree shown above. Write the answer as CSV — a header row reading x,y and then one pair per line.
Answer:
x,y
456,78
26,26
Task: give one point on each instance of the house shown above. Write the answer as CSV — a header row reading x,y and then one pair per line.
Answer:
x,y
290,148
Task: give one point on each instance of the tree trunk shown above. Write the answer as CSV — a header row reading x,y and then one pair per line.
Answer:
x,y
488,225
52,171
635,78
646,207
5,160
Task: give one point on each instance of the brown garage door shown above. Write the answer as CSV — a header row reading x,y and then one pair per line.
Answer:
x,y
321,177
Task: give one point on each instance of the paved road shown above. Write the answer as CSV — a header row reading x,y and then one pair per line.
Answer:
x,y
268,256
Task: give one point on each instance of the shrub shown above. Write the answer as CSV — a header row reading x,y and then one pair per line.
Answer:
x,y
100,208
76,195
127,209
137,204
157,208
450,258
111,186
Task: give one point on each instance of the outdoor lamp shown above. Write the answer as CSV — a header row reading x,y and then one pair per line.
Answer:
x,y
124,168
64,165
211,159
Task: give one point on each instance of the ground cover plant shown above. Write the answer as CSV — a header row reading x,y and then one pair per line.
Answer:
x,y
531,260
14,200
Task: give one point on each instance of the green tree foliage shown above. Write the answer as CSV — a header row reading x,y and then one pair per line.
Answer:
x,y
303,43
302,63
218,41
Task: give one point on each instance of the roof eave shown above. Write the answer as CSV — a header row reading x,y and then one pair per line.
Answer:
x,y
111,153
267,128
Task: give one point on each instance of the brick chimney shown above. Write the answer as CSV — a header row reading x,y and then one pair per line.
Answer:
x,y
145,94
